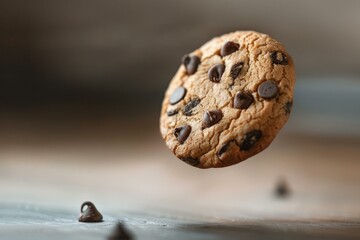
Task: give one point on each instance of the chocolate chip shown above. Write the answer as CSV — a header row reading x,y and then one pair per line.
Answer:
x,y
190,105
91,214
229,48
243,100
190,161
236,69
191,63
182,133
250,140
279,58
268,89
211,118
215,72
282,189
224,147
177,95
120,233
172,112
288,107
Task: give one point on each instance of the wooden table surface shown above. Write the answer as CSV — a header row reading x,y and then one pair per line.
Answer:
x,y
159,197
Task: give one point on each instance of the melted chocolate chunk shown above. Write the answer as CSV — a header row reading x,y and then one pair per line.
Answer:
x,y
268,89
172,112
288,107
279,58
191,63
91,214
250,140
177,95
224,147
215,72
236,69
188,107
228,48
190,161
182,133
211,118
243,100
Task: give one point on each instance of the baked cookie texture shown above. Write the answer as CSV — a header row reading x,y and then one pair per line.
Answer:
x,y
228,99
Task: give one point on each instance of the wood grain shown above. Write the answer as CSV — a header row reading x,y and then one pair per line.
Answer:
x,y
159,197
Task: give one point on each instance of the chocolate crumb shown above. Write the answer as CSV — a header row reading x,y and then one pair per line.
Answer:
x,y
211,117
120,233
90,214
236,69
191,161
250,139
228,48
268,89
279,58
191,63
243,100
177,95
215,72
224,147
172,112
282,189
182,133
190,105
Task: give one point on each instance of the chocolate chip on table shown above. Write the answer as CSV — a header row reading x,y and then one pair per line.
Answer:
x,y
172,112
224,147
120,233
228,48
279,58
191,63
211,117
190,105
268,89
182,133
288,107
282,189
90,214
215,72
236,69
250,140
177,95
191,161
243,100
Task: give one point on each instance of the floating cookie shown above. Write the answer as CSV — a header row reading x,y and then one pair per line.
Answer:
x,y
228,100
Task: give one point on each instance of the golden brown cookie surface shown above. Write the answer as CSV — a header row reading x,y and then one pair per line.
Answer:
x,y
228,100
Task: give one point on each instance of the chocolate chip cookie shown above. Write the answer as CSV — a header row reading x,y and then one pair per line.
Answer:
x,y
228,100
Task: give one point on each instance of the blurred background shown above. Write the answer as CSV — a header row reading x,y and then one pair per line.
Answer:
x,y
66,59
81,85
